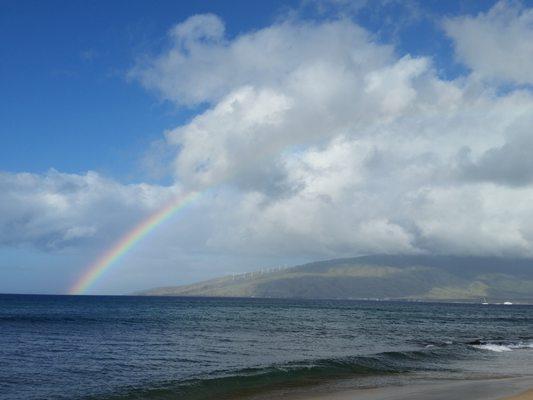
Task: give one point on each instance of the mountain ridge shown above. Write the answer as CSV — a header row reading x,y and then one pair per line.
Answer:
x,y
388,277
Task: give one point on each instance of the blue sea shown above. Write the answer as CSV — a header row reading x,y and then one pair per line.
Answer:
x,y
85,347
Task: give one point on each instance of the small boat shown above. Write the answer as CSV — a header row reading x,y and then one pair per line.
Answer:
x,y
507,303
485,302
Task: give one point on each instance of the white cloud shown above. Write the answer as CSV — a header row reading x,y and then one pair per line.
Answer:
x,y
497,44
204,66
235,136
323,80
479,219
55,210
335,146
508,164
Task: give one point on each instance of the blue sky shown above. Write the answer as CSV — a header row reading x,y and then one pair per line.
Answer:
x,y
67,103
319,129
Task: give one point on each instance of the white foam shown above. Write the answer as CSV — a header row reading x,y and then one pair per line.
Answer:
x,y
522,345
499,348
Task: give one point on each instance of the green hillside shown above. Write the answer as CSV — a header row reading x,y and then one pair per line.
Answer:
x,y
378,277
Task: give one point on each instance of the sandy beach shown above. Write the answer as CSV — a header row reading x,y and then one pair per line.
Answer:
x,y
493,389
527,395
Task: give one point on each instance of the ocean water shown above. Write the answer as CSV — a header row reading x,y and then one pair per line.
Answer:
x,y
84,347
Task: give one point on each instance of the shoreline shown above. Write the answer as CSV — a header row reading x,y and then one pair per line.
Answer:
x,y
516,388
484,389
527,395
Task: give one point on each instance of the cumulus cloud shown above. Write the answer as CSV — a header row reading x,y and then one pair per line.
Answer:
x,y
316,141
55,210
202,65
509,164
497,44
292,84
350,198
333,144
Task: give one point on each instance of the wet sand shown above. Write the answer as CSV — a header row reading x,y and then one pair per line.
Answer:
x,y
528,395
494,389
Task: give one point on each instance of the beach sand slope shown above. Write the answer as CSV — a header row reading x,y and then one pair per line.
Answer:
x,y
494,389
528,395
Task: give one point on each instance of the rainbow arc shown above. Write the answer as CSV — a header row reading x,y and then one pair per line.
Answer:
x,y
97,269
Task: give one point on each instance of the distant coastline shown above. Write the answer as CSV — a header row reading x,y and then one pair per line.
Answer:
x,y
379,278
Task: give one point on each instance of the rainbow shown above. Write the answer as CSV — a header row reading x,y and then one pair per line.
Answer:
x,y
94,271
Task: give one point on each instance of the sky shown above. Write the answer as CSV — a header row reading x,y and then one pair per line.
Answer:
x,y
310,130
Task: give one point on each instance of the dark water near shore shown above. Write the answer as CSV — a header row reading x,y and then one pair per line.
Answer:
x,y
73,347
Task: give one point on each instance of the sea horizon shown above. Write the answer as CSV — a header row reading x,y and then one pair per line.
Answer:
x,y
392,300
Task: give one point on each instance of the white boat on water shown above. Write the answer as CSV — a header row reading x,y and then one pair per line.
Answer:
x,y
507,303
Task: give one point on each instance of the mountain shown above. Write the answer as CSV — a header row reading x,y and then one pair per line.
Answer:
x,y
378,277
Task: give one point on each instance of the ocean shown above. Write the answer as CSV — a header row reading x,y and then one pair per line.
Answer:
x,y
122,347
